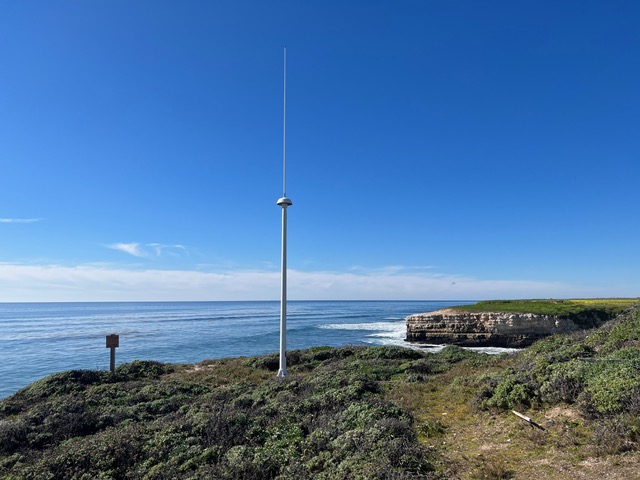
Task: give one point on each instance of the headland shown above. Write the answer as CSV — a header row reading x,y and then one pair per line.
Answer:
x,y
511,323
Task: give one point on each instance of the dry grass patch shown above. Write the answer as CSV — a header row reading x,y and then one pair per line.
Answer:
x,y
475,444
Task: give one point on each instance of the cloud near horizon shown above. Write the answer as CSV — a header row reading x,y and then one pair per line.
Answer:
x,y
146,250
19,220
50,283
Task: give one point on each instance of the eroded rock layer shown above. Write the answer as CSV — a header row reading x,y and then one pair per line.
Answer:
x,y
485,329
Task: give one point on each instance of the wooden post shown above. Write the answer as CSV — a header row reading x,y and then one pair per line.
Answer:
x,y
528,420
113,342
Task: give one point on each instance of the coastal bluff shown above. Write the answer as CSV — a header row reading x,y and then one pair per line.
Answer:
x,y
484,329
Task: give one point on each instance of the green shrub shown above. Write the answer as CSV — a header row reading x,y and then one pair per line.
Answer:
x,y
389,353
63,383
563,382
510,393
430,429
142,369
610,385
622,333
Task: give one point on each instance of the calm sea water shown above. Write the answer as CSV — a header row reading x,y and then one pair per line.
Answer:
x,y
37,339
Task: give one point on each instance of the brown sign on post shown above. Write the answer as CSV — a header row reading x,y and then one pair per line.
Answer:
x,y
113,342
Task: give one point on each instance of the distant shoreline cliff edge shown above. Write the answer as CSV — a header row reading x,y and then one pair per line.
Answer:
x,y
511,323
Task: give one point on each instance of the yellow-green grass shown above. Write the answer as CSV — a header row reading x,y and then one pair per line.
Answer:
x,y
556,307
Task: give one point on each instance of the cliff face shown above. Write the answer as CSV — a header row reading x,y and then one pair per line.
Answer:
x,y
486,329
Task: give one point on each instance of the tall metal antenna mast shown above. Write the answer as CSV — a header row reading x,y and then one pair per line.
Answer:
x,y
284,202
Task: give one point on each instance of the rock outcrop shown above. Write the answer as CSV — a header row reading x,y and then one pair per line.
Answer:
x,y
484,329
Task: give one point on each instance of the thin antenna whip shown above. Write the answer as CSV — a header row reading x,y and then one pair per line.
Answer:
x,y
284,131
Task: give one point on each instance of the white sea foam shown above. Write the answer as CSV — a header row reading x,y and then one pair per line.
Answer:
x,y
386,333
394,333
494,350
383,326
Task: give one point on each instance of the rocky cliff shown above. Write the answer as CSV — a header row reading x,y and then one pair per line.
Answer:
x,y
484,329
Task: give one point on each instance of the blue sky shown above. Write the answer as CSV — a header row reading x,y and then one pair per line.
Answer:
x,y
436,149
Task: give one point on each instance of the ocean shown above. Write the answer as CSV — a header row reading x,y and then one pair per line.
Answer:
x,y
38,339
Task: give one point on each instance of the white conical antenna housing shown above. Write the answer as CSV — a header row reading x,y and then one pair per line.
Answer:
x,y
284,202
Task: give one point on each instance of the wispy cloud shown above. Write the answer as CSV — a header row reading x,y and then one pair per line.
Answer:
x,y
20,282
148,250
130,248
391,269
160,249
19,220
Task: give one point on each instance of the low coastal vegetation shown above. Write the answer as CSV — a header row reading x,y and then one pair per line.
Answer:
x,y
343,413
227,419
